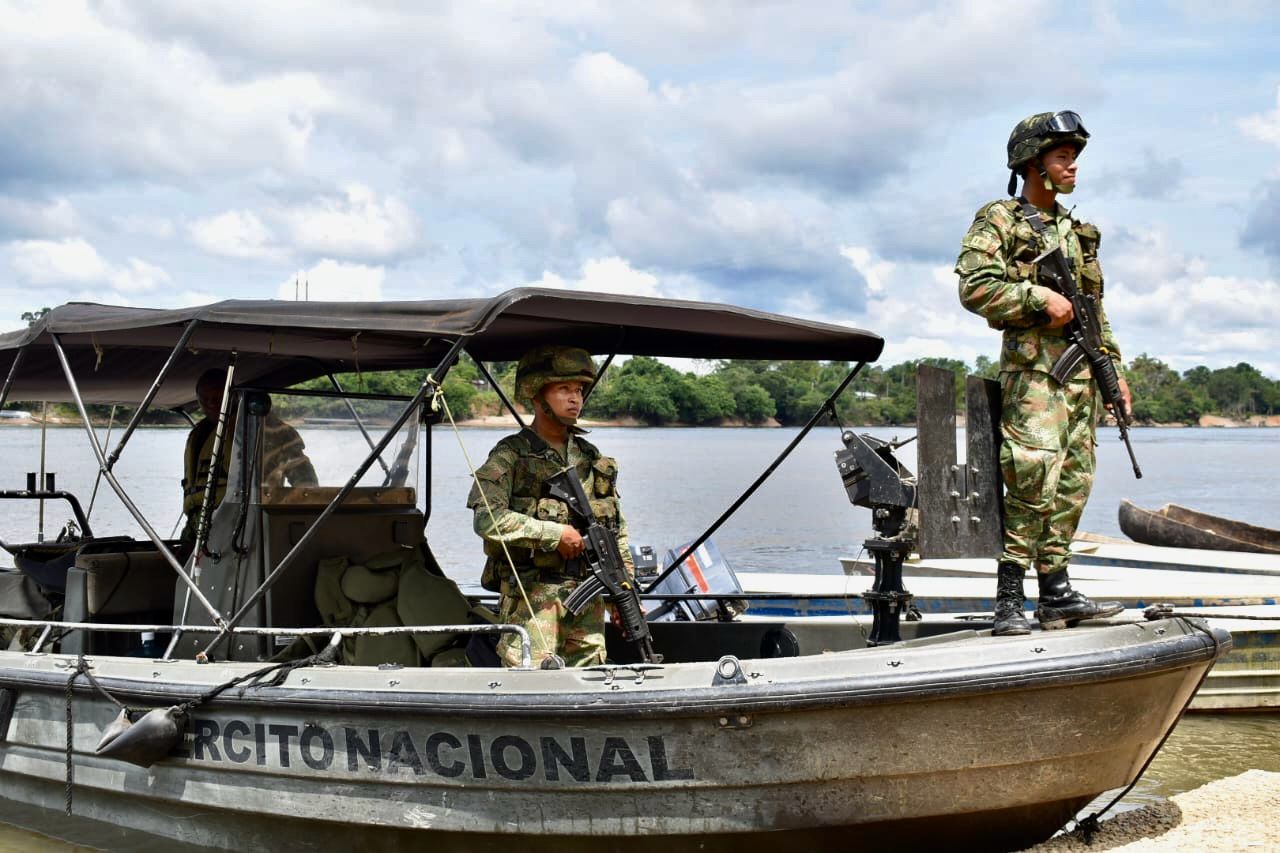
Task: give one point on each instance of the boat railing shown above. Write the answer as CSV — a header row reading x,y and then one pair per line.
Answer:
x,y
49,626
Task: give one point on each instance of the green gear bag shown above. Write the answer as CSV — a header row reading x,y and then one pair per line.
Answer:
x,y
426,598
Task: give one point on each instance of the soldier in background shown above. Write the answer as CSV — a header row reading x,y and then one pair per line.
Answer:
x,y
526,530
283,458
1047,454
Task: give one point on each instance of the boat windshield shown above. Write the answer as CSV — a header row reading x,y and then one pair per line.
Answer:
x,y
309,446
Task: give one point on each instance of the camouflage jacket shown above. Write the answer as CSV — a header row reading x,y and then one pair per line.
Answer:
x,y
997,278
283,460
527,521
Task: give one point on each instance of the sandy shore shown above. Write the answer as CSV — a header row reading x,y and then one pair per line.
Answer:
x,y
1241,813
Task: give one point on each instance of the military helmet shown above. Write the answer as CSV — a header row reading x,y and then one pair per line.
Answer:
x,y
549,363
1038,133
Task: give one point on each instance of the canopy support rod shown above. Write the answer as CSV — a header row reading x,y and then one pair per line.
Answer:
x,y
359,422
827,406
586,394
429,385
151,393
484,371
215,464
13,372
119,490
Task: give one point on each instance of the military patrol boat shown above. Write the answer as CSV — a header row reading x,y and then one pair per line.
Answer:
x,y
747,729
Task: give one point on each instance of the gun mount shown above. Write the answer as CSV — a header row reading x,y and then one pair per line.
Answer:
x,y
874,478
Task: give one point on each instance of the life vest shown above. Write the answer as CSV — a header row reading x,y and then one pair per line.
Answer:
x,y
195,477
535,463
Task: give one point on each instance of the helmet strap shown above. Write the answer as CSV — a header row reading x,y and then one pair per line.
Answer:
x,y
547,411
1013,182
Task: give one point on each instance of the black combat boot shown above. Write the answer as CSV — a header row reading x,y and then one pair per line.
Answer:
x,y
1060,606
1010,619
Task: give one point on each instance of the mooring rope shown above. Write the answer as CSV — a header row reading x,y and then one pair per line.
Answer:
x,y
258,678
1164,611
439,403
1089,827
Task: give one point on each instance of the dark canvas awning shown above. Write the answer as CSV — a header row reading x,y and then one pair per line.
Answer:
x,y
117,352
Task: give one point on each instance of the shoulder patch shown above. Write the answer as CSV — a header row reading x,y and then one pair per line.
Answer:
x,y
1088,231
1000,213
982,240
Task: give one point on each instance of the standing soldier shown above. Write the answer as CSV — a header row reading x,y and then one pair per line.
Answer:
x,y
527,531
1047,452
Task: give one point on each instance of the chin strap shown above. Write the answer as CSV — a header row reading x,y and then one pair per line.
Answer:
x,y
546,410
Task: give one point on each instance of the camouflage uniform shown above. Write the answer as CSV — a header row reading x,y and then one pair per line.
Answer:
x,y
530,524
1047,456
283,458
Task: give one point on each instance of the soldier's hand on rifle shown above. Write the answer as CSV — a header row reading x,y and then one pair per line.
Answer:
x,y
1059,309
570,544
1127,414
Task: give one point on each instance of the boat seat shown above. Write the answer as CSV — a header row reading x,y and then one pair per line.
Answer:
x,y
116,581
126,579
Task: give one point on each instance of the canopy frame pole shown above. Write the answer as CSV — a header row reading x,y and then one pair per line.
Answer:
x,y
827,406
151,393
586,393
41,484
333,380
429,385
129,505
211,482
13,373
484,371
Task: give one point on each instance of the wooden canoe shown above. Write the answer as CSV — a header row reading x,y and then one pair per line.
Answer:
x,y
1179,527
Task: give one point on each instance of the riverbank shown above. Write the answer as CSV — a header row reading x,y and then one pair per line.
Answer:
x,y
1240,813
506,421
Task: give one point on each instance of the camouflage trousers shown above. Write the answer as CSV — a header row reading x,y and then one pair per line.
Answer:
x,y
1047,463
579,640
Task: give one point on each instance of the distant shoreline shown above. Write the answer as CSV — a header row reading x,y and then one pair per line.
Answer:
x,y
508,422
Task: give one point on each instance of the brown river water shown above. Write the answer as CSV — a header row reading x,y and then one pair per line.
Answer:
x,y
675,482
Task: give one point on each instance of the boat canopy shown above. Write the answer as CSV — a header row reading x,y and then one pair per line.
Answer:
x,y
117,352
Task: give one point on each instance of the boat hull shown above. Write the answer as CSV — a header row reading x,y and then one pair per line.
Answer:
x,y
991,742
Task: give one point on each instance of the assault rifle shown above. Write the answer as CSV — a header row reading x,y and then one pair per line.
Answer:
x,y
1085,334
608,572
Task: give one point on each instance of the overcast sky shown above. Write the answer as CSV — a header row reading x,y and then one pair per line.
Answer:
x,y
820,159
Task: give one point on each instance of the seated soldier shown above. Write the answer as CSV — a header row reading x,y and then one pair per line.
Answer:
x,y
283,459
524,528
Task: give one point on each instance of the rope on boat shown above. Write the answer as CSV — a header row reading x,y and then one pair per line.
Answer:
x,y
81,668
1164,611
439,403
278,672
70,767
1089,827
268,676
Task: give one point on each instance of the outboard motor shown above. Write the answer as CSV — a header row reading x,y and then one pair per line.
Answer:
x,y
875,479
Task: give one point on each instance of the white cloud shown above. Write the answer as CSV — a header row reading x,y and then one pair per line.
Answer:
x,y
138,276
52,264
152,227
356,225
606,275
1264,127
873,272
38,217
57,261
235,234
335,281
607,80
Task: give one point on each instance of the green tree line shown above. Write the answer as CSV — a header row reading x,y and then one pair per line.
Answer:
x,y
649,391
